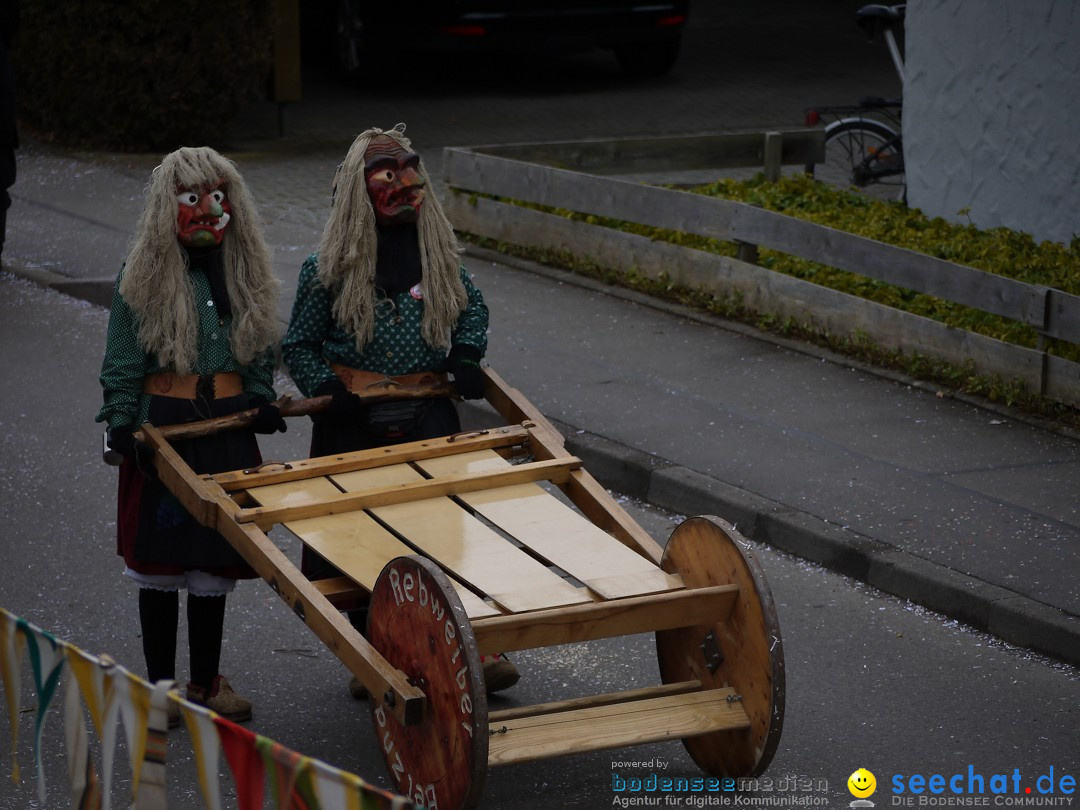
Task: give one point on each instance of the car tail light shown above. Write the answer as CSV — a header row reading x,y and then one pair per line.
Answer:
x,y
674,19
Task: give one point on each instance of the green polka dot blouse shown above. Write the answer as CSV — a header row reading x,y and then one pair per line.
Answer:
x,y
126,363
315,339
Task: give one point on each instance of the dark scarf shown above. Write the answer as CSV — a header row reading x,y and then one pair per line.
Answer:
x,y
211,262
397,260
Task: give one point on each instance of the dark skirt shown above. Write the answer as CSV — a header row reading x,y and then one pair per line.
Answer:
x,y
155,534
332,434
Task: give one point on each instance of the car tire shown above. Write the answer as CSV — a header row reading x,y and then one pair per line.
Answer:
x,y
647,60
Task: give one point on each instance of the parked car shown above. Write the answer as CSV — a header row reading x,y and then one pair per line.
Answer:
x,y
644,36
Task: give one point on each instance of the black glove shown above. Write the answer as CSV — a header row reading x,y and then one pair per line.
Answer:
x,y
464,362
268,419
122,439
343,402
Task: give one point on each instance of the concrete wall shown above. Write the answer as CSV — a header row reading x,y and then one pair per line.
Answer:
x,y
992,113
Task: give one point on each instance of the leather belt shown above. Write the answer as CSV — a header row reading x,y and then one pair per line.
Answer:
x,y
189,386
356,379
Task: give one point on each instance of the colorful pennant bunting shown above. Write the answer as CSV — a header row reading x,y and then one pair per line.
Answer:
x,y
82,778
115,697
46,664
244,762
11,672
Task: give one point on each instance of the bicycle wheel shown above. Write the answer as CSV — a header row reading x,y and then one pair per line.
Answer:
x,y
867,154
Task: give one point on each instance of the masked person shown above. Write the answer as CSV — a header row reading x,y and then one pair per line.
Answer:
x,y
190,337
385,296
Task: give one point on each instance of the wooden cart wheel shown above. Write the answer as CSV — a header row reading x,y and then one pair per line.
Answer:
x,y
416,621
743,649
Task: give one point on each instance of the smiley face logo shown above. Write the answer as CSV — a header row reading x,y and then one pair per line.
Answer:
x,y
861,783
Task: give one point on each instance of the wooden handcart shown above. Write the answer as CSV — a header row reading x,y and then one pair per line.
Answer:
x,y
464,553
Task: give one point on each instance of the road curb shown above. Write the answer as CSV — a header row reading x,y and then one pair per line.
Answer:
x,y
1010,616
97,291
1039,627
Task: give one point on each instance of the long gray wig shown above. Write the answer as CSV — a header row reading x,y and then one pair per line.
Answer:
x,y
156,283
347,252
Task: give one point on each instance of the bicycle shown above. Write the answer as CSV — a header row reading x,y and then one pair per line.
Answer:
x,y
863,142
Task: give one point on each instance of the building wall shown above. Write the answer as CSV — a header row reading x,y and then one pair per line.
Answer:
x,y
992,113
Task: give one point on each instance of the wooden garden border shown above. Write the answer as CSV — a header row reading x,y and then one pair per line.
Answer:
x,y
1052,312
730,150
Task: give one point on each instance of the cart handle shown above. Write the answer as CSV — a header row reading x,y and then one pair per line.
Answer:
x,y
300,407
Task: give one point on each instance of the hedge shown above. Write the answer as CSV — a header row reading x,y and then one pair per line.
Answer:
x,y
146,76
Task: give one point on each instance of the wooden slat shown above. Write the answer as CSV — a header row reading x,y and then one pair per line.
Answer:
x,y
475,607
468,549
559,188
611,726
773,156
339,590
584,491
354,543
506,436
342,591
1063,380
334,586
555,531
557,470
1062,316
617,617
669,153
730,220
294,493
477,555
606,699
894,265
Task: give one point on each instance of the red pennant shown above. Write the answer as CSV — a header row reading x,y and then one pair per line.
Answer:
x,y
244,761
